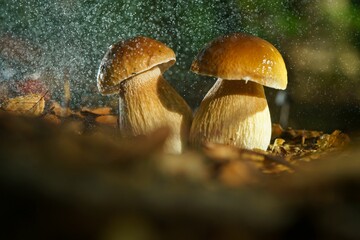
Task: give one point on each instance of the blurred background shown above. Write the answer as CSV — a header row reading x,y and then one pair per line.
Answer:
x,y
319,40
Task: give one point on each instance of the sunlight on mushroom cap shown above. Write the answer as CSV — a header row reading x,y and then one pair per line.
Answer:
x,y
240,56
129,58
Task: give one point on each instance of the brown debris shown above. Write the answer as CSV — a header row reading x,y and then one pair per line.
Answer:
x,y
230,165
103,181
97,111
266,162
277,130
63,112
335,139
51,118
108,120
290,148
302,146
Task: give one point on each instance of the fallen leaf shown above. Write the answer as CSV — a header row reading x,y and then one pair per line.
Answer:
x,y
97,111
31,105
109,120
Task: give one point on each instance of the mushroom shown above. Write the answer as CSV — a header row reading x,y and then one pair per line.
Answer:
x,y
235,111
133,68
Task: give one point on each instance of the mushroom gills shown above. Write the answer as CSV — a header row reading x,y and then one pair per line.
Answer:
x,y
233,112
148,102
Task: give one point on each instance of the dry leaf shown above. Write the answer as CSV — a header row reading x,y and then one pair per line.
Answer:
x,y
97,111
32,105
277,131
336,139
264,161
109,120
57,109
51,118
63,112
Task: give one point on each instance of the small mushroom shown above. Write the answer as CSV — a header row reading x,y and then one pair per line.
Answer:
x,y
235,110
133,68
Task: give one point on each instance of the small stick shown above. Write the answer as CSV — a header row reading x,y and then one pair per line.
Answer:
x,y
38,101
67,95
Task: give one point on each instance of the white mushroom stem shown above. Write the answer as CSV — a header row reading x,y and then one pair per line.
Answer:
x,y
233,112
148,102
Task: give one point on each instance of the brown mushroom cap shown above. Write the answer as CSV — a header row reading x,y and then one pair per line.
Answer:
x,y
129,58
240,56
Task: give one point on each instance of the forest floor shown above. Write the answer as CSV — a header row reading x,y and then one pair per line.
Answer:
x,y
68,174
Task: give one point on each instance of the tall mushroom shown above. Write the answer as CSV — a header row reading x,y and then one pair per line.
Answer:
x,y
133,68
235,110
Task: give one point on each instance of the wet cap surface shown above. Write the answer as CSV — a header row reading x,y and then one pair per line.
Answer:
x,y
129,58
242,57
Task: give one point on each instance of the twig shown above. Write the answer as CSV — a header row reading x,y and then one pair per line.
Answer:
x,y
42,97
